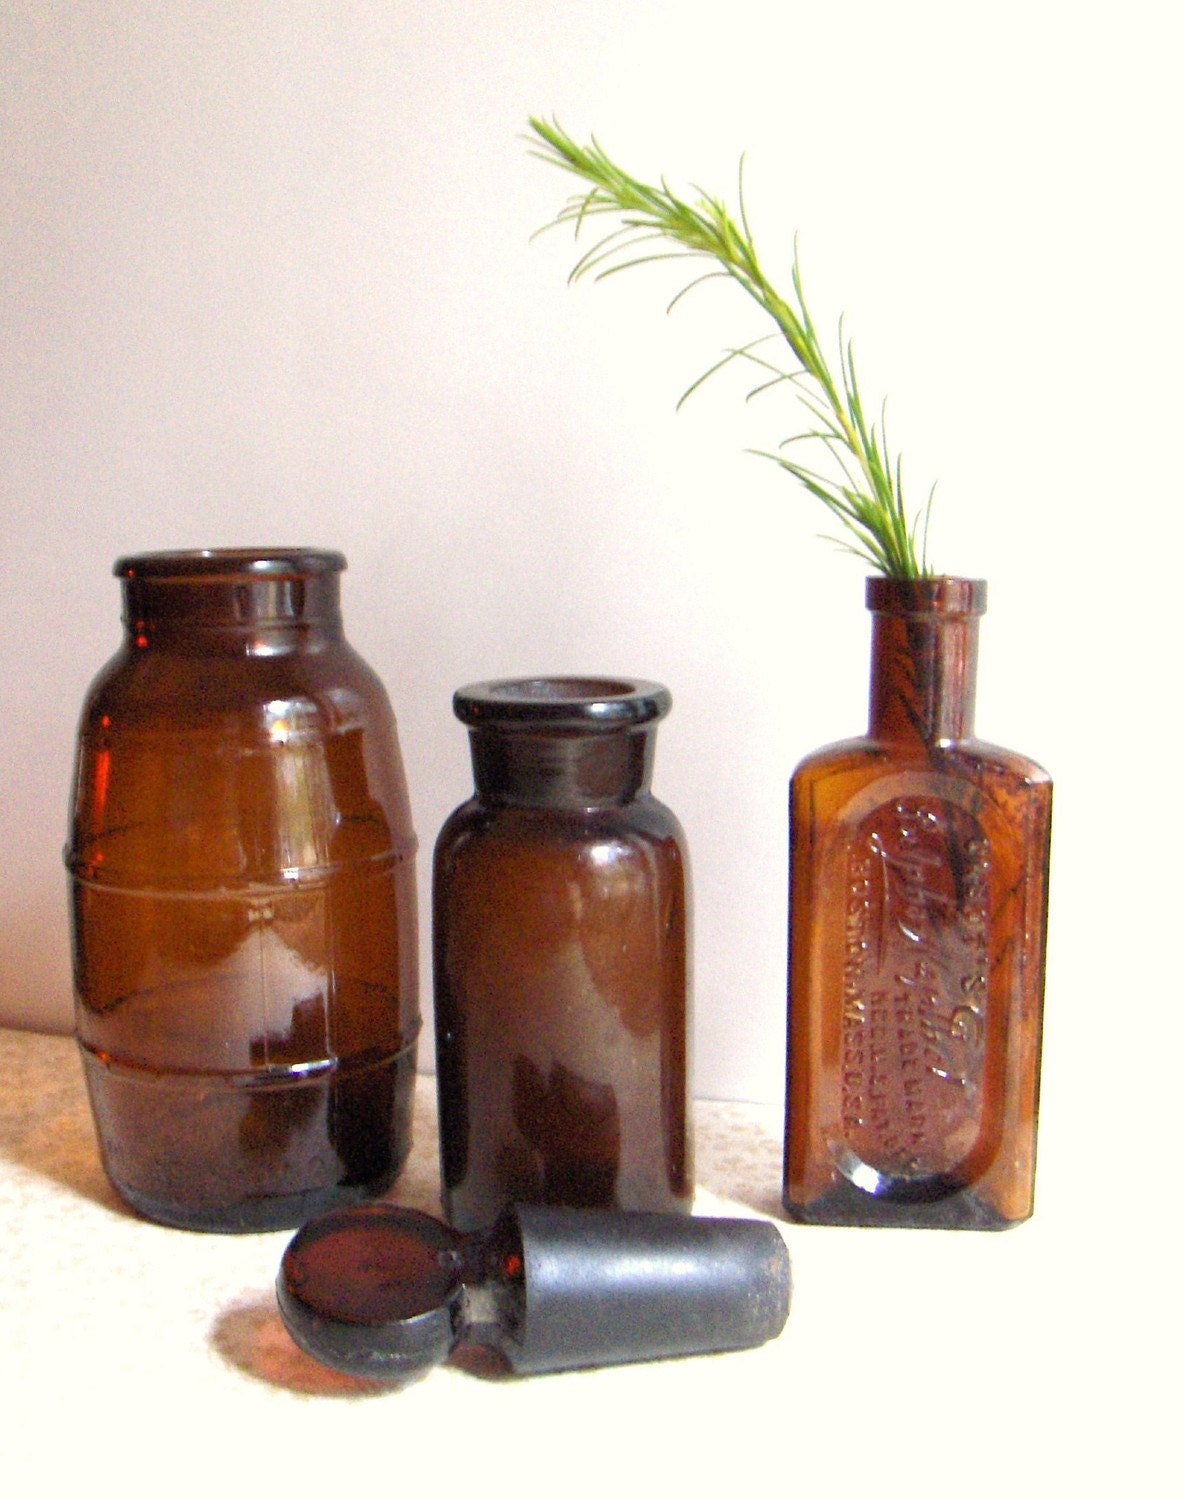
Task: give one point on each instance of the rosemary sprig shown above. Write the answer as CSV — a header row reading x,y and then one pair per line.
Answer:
x,y
864,489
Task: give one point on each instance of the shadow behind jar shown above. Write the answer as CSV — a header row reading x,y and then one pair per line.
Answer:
x,y
242,878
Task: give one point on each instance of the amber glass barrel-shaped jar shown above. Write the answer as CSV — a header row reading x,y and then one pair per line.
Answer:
x,y
561,958
919,860
241,860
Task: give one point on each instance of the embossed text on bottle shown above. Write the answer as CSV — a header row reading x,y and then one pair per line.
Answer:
x,y
914,990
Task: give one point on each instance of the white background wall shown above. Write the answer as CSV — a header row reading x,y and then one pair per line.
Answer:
x,y
267,279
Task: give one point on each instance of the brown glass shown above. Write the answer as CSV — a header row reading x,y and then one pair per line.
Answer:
x,y
561,965
917,923
242,876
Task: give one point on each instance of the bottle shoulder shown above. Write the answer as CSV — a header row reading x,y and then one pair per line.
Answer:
x,y
839,756
643,819
835,792
866,756
322,691
1010,762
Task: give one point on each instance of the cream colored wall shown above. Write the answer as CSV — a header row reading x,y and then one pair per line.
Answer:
x,y
268,279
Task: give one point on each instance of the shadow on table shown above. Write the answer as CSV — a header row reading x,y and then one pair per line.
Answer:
x,y
45,1120
250,1335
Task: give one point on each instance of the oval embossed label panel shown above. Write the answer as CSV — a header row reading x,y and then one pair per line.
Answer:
x,y
915,994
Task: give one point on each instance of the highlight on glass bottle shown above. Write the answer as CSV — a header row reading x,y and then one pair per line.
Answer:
x,y
919,876
561,931
242,878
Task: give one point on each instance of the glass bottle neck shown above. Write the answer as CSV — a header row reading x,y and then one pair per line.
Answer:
x,y
924,657
561,768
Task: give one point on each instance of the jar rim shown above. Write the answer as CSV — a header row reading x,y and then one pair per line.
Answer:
x,y
230,562
587,703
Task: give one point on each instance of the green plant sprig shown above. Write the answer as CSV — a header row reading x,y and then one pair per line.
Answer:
x,y
866,493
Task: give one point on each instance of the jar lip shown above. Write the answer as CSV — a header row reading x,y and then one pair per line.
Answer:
x,y
938,595
587,703
230,562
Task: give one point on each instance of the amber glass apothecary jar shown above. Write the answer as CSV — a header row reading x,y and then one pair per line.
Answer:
x,y
919,859
241,862
561,957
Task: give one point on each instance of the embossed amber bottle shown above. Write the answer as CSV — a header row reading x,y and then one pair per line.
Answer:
x,y
561,931
919,873
241,861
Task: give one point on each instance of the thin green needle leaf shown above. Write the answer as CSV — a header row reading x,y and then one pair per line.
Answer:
x,y
768,385
642,260
691,285
726,359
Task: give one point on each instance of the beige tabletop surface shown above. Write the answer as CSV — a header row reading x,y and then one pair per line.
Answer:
x,y
914,1362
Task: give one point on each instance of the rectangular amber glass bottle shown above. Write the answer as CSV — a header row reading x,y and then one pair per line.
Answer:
x,y
919,875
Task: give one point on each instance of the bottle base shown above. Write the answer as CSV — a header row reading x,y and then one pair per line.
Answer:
x,y
258,1215
476,1212
241,1154
848,1206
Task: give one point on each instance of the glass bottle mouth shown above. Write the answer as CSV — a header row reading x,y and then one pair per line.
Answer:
x,y
927,596
585,703
210,563
235,593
